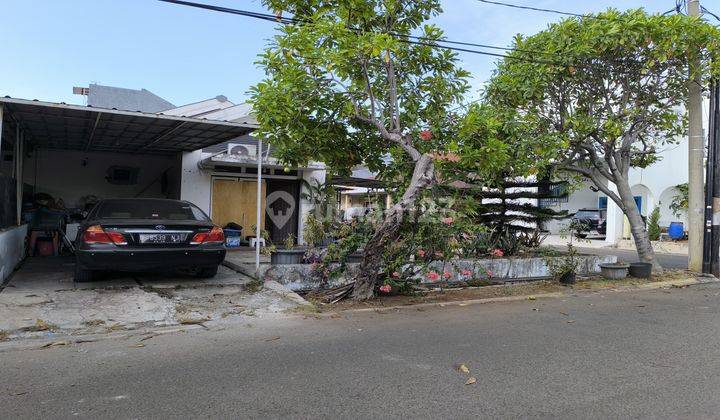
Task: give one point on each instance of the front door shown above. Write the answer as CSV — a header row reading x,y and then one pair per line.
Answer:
x,y
281,210
235,200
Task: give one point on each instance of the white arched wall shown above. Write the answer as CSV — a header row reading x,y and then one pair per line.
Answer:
x,y
666,214
648,203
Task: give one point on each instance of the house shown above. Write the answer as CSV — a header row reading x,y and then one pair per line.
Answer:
x,y
79,153
654,186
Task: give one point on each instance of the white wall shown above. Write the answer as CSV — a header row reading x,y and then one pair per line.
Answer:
x,y
12,249
70,175
196,184
306,205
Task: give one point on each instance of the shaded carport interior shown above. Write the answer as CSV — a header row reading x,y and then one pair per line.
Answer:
x,y
30,126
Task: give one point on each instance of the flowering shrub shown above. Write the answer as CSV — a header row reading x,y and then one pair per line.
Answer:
x,y
497,252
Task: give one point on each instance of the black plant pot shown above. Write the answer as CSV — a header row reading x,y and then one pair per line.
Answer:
x,y
641,270
568,278
287,256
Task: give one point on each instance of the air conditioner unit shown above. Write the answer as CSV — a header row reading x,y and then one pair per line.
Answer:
x,y
249,150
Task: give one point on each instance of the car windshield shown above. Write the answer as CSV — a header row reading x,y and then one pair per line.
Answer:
x,y
587,214
149,209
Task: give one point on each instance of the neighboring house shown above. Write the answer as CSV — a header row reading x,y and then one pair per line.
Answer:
x,y
652,186
122,98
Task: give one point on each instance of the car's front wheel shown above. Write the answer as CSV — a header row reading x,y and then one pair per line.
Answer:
x,y
83,275
207,272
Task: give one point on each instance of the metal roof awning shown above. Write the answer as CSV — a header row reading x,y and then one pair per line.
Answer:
x,y
76,127
356,182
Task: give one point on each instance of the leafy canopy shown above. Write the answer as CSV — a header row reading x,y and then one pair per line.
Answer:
x,y
344,87
603,93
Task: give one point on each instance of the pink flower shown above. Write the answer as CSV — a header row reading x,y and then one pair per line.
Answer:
x,y
497,252
433,276
386,288
395,274
447,275
448,220
452,157
426,135
488,272
439,254
421,253
466,272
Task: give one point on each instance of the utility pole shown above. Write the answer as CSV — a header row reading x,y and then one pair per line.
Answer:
x,y
710,182
696,152
715,141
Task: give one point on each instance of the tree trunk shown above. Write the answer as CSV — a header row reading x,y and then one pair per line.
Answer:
x,y
423,176
637,226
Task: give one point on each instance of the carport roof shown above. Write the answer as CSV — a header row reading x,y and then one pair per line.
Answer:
x,y
61,126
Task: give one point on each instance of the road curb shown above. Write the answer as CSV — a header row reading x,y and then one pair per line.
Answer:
x,y
630,288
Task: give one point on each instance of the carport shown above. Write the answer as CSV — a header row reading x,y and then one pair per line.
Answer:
x,y
75,151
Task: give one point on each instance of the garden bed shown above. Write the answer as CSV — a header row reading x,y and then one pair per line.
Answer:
x,y
299,277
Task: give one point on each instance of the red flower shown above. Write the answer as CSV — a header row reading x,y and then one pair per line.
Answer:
x,y
447,275
426,135
466,273
497,252
433,276
421,253
488,272
395,274
448,220
386,288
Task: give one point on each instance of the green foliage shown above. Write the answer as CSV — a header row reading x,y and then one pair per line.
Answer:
x,y
679,203
598,95
290,241
653,224
313,231
322,197
327,80
558,264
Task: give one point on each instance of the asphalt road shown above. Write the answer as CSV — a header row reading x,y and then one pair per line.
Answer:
x,y
643,354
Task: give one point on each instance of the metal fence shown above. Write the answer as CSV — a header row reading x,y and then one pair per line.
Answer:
x,y
8,200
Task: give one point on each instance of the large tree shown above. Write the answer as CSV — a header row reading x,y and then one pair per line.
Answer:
x,y
606,92
345,85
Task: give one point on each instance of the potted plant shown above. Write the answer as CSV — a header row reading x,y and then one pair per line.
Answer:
x,y
563,268
288,254
614,271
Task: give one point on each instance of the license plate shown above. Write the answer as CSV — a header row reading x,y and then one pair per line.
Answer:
x,y
162,238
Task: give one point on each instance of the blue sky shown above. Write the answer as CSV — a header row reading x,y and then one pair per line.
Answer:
x,y
185,54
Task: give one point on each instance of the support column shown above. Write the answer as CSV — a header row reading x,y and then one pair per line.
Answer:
x,y
1,127
19,164
615,219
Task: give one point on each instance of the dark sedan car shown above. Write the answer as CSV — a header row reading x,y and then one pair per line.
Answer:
x,y
591,221
142,234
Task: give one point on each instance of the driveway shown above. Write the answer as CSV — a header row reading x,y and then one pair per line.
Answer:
x,y
644,354
42,298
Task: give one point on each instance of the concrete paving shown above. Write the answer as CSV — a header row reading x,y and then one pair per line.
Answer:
x,y
42,299
645,354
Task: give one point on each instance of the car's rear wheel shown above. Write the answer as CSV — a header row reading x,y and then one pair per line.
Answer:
x,y
207,272
83,275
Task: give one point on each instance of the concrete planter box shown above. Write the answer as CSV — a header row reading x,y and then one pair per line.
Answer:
x,y
304,277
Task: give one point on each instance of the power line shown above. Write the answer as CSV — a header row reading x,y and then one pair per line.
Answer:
x,y
537,9
706,11
424,41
